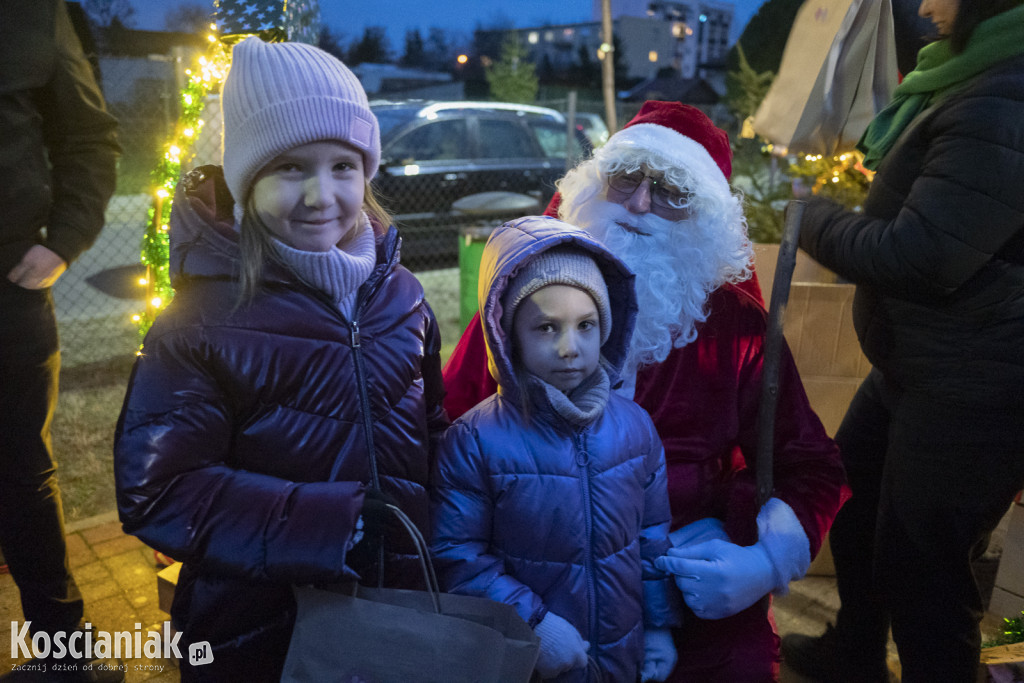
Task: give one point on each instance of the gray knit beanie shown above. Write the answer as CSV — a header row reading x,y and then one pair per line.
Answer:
x,y
558,266
282,95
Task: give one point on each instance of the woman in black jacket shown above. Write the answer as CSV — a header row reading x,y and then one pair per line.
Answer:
x,y
295,373
933,441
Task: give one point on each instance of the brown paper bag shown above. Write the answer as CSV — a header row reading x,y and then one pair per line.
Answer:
x,y
838,70
383,635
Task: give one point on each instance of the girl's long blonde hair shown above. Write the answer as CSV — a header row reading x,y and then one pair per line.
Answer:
x,y
257,249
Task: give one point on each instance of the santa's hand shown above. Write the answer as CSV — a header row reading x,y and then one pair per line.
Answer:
x,y
697,532
659,654
719,579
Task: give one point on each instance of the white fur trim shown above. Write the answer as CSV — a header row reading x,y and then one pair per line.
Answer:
x,y
666,142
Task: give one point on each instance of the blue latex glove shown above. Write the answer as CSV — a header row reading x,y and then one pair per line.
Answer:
x,y
719,578
561,646
659,654
698,532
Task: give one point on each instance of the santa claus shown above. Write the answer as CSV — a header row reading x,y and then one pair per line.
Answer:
x,y
658,195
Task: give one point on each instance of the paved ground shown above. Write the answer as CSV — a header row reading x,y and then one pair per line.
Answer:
x,y
118,578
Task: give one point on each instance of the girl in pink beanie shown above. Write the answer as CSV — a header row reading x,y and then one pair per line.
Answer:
x,y
293,385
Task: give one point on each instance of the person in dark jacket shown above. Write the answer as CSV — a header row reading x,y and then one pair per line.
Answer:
x,y
551,495
58,154
934,439
295,373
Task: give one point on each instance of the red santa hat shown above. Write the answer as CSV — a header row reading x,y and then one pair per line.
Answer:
x,y
680,134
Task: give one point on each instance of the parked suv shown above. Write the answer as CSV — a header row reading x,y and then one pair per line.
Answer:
x,y
434,153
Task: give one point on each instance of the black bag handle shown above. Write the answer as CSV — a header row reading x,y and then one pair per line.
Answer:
x,y
426,564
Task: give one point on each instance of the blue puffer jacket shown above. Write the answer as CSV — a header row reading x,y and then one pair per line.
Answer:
x,y
545,516
244,440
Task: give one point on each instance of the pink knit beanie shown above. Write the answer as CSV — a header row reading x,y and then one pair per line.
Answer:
x,y
282,95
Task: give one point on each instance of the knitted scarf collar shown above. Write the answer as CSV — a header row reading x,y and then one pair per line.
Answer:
x,y
579,407
340,271
938,73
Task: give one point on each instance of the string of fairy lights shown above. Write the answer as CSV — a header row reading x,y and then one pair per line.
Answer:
x,y
205,76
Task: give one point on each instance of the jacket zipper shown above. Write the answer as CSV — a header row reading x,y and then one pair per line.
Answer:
x,y
364,400
583,462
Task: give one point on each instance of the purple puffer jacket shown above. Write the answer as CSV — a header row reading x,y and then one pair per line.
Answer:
x,y
547,516
244,441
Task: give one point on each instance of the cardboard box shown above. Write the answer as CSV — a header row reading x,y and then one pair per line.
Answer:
x,y
1008,594
166,582
1002,664
818,326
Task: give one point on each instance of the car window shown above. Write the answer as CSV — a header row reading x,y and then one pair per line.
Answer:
x,y
501,139
551,136
434,141
391,119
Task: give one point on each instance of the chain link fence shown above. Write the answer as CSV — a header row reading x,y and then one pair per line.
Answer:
x,y
98,295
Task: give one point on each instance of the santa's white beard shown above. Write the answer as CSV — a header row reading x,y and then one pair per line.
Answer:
x,y
677,265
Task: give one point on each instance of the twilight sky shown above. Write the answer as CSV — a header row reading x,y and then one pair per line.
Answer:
x,y
348,18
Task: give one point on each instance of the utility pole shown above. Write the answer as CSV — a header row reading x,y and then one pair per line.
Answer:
x,y
608,65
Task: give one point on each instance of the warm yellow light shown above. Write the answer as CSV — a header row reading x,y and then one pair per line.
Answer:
x,y
156,302
143,282
162,193
188,132
462,59
652,56
835,179
136,318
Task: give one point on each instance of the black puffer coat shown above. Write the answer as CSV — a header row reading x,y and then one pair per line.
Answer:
x,y
938,253
236,419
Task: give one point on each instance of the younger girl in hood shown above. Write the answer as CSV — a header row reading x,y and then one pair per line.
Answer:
x,y
551,495
294,376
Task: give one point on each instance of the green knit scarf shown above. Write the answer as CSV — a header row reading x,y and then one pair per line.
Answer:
x,y
938,73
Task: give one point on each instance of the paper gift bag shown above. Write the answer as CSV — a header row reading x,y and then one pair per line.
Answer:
x,y
838,70
381,635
